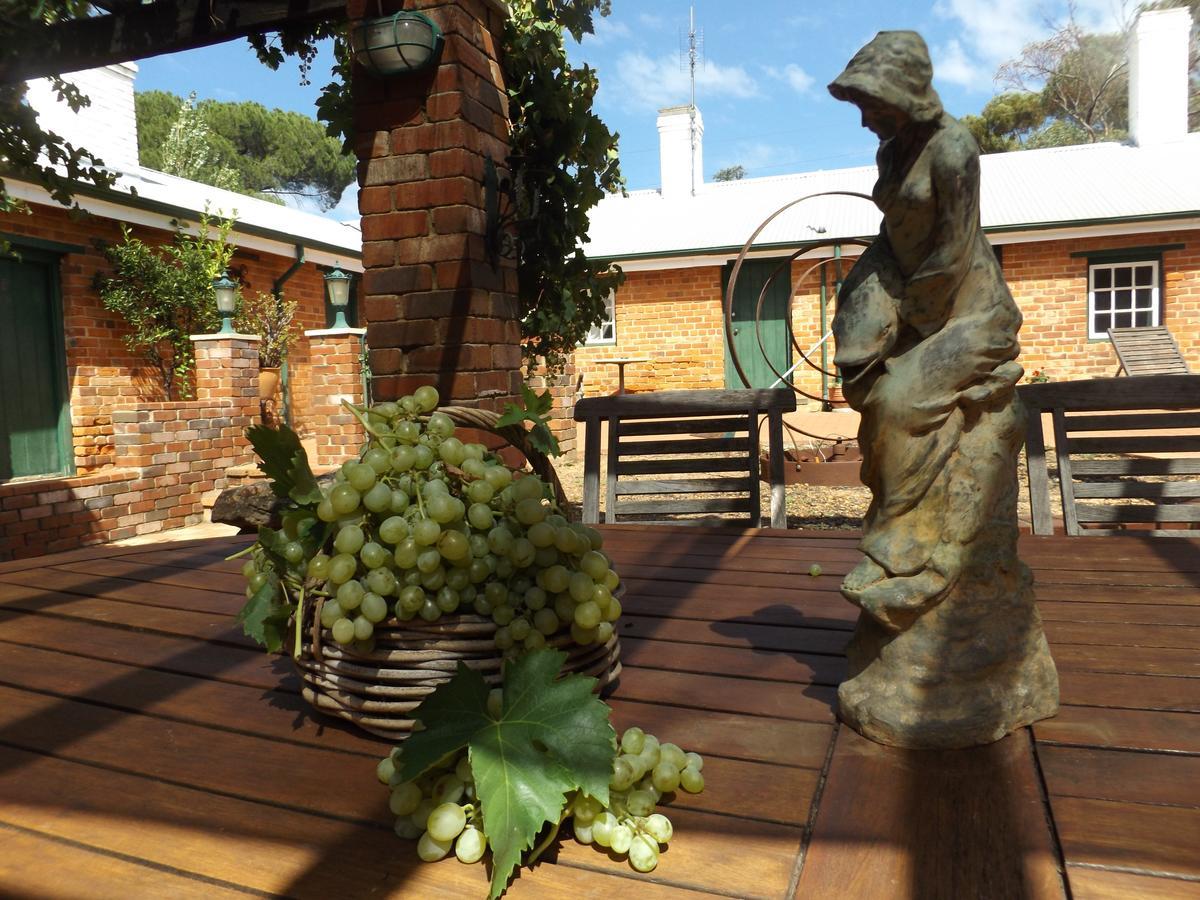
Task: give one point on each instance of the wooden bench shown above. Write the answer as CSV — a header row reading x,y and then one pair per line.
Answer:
x,y
1123,417
713,434
1147,351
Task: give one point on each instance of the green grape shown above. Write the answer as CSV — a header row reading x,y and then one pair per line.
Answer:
x,y
503,615
530,511
500,540
541,534
595,539
565,541
440,425
621,839
433,581
611,580
454,545
587,615
293,552
504,638
458,579
446,822
257,580
331,611
519,628
534,598
470,845
411,599
429,560
393,530
386,410
480,516
360,476
325,510
378,459
665,777
412,577
585,808
400,501
406,553
659,827
545,557
440,508
374,607
447,599
602,827
405,799
499,477
403,457
527,488
342,568
373,555
581,588
476,452
564,607
583,833
344,499
463,770
643,853
633,740
497,594
474,468
691,780
430,849
535,640
695,760
481,605
479,491
522,553
604,632
385,769
637,764
426,532
343,631
429,611
594,564
406,830
479,571
249,569
378,498
407,433
435,486
426,397
556,579
545,621
350,595
614,610
585,637
452,451
671,753
318,567
349,539
602,597
622,775
640,803
479,546
423,457
495,702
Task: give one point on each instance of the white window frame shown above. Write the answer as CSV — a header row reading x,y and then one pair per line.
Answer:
x,y
596,335
1108,296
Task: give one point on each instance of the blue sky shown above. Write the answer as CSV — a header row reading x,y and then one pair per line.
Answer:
x,y
761,87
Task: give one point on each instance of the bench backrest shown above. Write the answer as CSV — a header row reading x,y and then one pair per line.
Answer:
x,y
1147,351
1148,424
698,442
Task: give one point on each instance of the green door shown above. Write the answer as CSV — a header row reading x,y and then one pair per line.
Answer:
x,y
774,327
34,420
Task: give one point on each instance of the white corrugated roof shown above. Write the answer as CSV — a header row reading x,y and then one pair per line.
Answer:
x,y
1029,189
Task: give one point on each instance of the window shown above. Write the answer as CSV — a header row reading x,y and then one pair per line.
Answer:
x,y
606,331
1123,295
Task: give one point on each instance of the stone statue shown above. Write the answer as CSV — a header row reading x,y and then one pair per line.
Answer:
x,y
949,649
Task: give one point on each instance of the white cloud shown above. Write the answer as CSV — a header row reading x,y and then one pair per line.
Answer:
x,y
649,20
605,31
794,76
649,83
951,64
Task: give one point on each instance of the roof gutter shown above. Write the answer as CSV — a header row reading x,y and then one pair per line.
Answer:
x,y
277,287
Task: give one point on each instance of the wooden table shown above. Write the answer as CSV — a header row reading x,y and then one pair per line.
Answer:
x,y
148,750
621,363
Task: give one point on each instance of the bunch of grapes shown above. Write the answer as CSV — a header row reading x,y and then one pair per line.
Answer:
x,y
424,525
441,812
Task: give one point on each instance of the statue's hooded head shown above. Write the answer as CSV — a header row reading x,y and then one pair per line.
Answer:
x,y
893,70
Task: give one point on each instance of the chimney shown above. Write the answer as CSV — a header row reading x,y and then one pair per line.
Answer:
x,y
1158,77
108,127
681,166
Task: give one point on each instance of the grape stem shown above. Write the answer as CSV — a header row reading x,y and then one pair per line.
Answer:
x,y
242,552
362,419
545,842
299,623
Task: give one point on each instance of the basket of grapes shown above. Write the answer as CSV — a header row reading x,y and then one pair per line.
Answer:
x,y
425,553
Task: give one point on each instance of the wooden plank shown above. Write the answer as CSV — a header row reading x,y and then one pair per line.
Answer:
x,y
1127,613
1151,443
924,824
709,603
33,865
1144,838
591,473
678,466
1129,691
1166,392
168,578
677,447
1150,490
51,583
752,464
684,486
735,632
1180,597
684,426
1175,466
1065,484
699,505
610,494
1122,729
1103,884
96,551
1123,635
742,663
666,404
716,693
1131,660
1177,512
1035,463
1169,779
1133,421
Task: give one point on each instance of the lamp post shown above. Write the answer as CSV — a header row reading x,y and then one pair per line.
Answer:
x,y
225,289
396,44
337,283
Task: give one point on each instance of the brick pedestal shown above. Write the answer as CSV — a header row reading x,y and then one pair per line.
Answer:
x,y
438,309
335,356
227,368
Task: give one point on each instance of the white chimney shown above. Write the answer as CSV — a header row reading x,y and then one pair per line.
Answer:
x,y
108,127
1158,77
680,159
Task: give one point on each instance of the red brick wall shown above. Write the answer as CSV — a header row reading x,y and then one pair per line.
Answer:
x,y
101,372
337,376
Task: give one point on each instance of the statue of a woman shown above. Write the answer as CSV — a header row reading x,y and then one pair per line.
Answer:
x,y
949,649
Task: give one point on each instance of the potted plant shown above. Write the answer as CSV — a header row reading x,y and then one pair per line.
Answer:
x,y
273,319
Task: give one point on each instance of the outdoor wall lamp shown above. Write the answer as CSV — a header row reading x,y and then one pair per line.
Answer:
x,y
225,289
337,283
396,44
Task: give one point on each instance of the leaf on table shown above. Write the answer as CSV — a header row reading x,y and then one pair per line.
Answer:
x,y
282,459
553,737
265,617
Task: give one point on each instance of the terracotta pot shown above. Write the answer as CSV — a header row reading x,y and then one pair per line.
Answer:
x,y
268,383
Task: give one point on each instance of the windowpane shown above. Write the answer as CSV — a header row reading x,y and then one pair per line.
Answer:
x,y
1123,276
1100,323
1145,298
606,331
1144,275
1122,320
1103,301
1143,319
1123,300
1123,295
1102,278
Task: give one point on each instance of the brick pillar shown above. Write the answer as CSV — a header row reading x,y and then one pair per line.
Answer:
x,y
227,368
335,366
562,412
438,310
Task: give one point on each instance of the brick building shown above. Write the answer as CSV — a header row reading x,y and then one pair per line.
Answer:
x,y
1089,237
90,448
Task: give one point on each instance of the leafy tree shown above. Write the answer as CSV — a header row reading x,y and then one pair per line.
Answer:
x,y
1007,121
245,147
730,173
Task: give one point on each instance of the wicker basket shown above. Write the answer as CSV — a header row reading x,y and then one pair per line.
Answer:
x,y
378,691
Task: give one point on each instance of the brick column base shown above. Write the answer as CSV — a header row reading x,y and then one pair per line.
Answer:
x,y
335,361
227,368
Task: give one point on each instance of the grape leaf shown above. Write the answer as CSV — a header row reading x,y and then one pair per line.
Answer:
x,y
552,737
536,411
282,459
265,618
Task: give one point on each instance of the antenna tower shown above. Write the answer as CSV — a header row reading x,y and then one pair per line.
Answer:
x,y
695,53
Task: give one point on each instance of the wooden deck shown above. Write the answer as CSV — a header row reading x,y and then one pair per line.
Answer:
x,y
148,750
